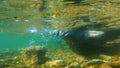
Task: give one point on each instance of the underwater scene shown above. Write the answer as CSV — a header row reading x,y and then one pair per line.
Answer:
x,y
59,33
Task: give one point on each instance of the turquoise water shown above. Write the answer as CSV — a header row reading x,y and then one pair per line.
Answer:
x,y
8,40
13,36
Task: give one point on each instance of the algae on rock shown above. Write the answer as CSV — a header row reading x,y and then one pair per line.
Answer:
x,y
34,55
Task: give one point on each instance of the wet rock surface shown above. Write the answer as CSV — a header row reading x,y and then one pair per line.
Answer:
x,y
62,58
34,55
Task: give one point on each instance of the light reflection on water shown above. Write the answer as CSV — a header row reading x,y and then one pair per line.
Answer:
x,y
34,34
43,37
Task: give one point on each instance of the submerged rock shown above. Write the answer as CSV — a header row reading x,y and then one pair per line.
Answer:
x,y
104,65
115,62
56,64
73,65
115,1
34,55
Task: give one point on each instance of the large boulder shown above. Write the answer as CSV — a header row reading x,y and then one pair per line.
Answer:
x,y
34,55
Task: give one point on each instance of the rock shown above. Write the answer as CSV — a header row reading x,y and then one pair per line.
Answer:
x,y
4,65
115,1
115,61
74,1
33,55
105,57
93,20
104,65
95,61
101,0
56,64
74,65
